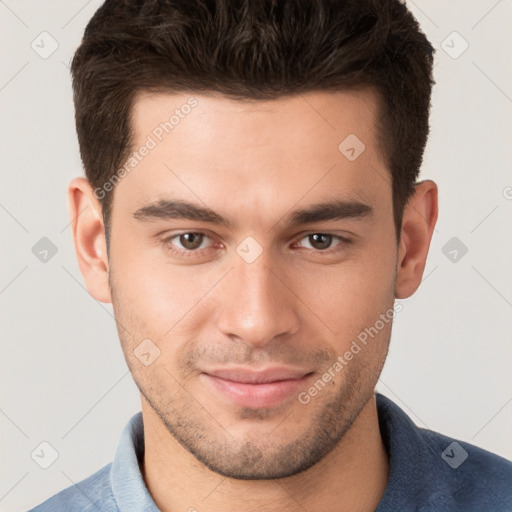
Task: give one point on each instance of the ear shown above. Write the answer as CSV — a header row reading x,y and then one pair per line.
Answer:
x,y
419,220
89,236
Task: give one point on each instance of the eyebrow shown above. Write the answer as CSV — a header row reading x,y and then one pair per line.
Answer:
x,y
166,209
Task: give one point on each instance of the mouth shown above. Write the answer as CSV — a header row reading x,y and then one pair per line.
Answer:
x,y
256,389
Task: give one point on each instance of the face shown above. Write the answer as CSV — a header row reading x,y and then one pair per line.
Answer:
x,y
250,252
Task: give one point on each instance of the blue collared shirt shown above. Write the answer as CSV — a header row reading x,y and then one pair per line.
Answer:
x,y
428,472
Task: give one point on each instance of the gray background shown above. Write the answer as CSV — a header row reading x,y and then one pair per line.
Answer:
x,y
63,376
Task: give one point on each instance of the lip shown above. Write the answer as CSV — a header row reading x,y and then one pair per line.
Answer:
x,y
256,389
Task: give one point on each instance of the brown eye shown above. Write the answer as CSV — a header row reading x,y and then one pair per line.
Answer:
x,y
191,241
326,242
320,240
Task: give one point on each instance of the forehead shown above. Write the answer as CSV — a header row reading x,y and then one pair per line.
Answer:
x,y
212,115
213,148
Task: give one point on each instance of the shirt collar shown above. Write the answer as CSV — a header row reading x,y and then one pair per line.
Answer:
x,y
408,457
128,486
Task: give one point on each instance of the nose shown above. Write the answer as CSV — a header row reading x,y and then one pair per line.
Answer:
x,y
258,303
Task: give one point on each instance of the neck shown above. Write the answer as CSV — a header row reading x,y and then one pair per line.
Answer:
x,y
352,477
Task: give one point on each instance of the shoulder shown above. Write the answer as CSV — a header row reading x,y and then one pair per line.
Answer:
x,y
432,472
91,494
472,478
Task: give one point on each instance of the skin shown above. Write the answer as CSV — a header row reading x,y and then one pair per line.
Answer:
x,y
299,304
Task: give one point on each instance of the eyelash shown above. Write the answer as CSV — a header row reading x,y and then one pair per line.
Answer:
x,y
193,252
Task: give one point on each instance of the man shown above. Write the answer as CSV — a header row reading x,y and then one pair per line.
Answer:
x,y
252,212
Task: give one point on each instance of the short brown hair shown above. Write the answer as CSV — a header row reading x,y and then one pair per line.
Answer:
x,y
252,50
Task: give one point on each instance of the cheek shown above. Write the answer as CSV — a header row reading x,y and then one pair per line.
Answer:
x,y
156,291
166,304
351,296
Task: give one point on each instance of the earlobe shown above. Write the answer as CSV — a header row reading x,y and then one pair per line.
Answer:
x,y
89,238
419,220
